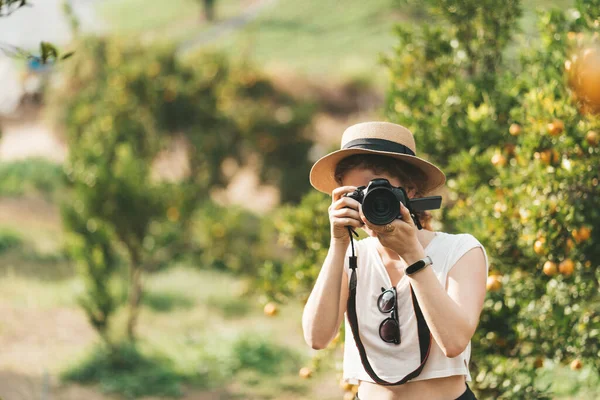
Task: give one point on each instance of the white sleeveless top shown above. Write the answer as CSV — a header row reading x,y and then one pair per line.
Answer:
x,y
393,362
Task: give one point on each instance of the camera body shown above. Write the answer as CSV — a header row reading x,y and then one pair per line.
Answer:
x,y
381,202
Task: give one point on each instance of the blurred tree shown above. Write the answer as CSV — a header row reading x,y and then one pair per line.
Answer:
x,y
123,106
208,8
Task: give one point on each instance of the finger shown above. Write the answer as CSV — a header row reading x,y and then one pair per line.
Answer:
x,y
339,191
368,224
347,222
406,215
345,202
347,212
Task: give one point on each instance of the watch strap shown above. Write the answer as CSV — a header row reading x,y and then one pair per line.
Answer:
x,y
417,266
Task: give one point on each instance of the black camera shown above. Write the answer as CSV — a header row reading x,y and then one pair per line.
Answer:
x,y
381,202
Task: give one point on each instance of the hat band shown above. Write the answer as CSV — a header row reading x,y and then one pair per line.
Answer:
x,y
378,145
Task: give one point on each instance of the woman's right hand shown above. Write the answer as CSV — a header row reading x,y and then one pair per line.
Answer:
x,y
343,212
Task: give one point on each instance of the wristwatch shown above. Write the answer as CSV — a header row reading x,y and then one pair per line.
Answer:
x,y
419,265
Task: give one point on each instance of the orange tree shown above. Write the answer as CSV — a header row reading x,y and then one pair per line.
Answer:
x,y
520,149
518,140
122,105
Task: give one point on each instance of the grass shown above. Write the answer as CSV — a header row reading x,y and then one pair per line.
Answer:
x,y
180,20
194,338
166,301
320,36
128,372
214,338
324,38
33,177
570,385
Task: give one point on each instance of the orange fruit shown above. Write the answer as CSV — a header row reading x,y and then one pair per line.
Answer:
x,y
494,283
584,233
546,156
566,267
270,309
514,129
550,268
305,372
576,364
588,77
592,138
538,247
581,234
173,214
569,244
556,127
498,160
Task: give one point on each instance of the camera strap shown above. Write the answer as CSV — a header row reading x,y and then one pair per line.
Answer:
x,y
423,330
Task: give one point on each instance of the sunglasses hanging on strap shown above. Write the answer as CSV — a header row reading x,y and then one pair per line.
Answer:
x,y
422,328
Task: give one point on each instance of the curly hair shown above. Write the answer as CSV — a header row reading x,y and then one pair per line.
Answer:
x,y
409,175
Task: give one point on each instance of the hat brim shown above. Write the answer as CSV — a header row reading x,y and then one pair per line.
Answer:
x,y
322,174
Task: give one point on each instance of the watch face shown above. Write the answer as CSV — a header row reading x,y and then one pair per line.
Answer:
x,y
418,265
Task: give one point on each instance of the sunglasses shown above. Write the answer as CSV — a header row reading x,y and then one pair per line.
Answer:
x,y
389,329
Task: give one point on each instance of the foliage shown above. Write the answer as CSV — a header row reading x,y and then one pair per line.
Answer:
x,y
253,352
8,7
31,177
522,178
89,244
127,371
9,240
231,238
305,226
123,106
166,301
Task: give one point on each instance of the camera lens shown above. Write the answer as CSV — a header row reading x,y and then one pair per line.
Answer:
x,y
381,206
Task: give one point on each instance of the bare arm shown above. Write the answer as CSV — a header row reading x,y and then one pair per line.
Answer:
x,y
324,310
453,314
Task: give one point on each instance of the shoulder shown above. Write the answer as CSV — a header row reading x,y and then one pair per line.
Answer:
x,y
466,243
456,245
460,239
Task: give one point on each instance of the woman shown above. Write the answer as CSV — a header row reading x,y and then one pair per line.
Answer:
x,y
448,288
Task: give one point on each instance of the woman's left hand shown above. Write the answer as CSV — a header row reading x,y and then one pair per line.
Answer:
x,y
400,236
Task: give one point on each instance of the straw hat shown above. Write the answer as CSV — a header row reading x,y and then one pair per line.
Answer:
x,y
382,138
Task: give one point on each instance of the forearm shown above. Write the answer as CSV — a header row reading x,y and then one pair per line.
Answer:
x,y
321,311
447,323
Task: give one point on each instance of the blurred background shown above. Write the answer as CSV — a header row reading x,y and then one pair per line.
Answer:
x,y
158,233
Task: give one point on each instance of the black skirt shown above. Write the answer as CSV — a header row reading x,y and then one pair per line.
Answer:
x,y
467,395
